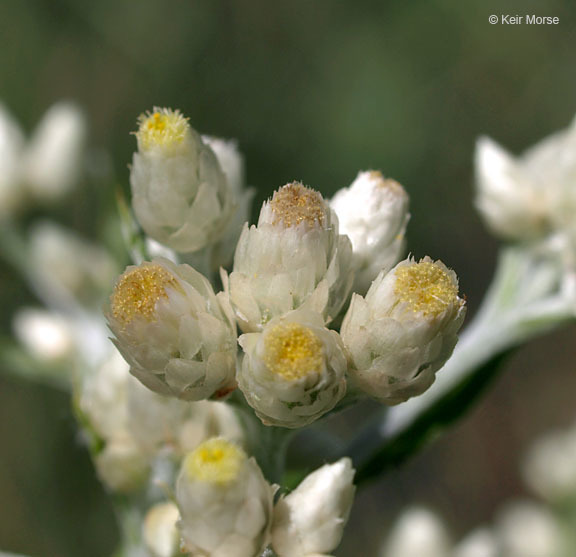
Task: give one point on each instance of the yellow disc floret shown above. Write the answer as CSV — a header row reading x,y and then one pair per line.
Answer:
x,y
215,461
164,127
426,287
293,351
294,204
138,290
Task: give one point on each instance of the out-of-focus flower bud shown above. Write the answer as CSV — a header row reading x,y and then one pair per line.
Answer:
x,y
293,258
11,148
46,335
224,501
311,519
479,543
527,529
53,159
550,466
373,213
160,532
404,330
175,333
417,532
293,371
232,163
179,192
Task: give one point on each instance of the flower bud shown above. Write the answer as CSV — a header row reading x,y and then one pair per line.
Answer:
x,y
179,192
293,371
173,331
373,213
160,532
479,543
404,330
53,159
293,258
224,501
311,519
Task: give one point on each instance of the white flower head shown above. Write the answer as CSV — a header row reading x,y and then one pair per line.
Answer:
x,y
550,466
293,258
404,330
160,532
175,333
373,213
53,158
224,501
418,532
311,519
179,192
293,372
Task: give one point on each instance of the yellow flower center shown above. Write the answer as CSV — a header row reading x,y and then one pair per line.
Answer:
x,y
294,203
293,351
426,287
138,290
162,128
215,461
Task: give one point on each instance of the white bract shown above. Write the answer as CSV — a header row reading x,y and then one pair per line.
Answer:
x,y
373,213
418,532
160,532
479,543
177,335
179,193
404,330
293,258
311,519
293,371
224,501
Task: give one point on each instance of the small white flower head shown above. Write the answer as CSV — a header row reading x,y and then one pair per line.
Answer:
x,y
293,258
160,532
53,159
404,330
179,193
373,213
175,333
526,529
46,335
550,466
293,372
418,532
224,501
311,519
232,163
11,148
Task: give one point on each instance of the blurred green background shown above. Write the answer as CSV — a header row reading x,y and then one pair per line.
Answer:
x,y
315,91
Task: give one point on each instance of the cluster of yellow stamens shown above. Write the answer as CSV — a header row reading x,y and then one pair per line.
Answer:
x,y
163,127
215,461
294,203
138,290
426,287
293,351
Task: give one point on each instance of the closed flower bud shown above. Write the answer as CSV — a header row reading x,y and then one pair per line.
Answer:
x,y
404,330
311,519
293,371
293,258
373,213
53,158
179,192
160,533
175,333
224,501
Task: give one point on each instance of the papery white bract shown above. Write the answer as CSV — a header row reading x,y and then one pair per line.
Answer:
x,y
160,532
373,213
177,335
404,330
293,371
179,193
224,501
311,519
293,258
